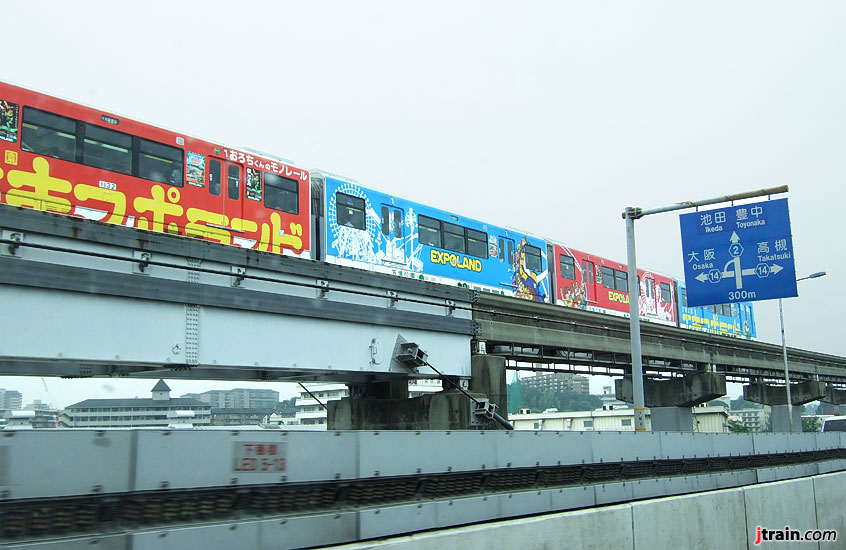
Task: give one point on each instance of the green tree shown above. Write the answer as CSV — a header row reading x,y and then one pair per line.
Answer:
x,y
564,400
514,391
286,405
736,427
811,424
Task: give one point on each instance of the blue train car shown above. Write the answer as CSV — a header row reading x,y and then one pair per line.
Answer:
x,y
736,319
369,229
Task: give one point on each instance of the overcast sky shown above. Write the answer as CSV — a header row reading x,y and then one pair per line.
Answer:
x,y
547,116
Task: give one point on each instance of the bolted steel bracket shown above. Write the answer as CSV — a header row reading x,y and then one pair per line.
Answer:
x,y
11,240
142,261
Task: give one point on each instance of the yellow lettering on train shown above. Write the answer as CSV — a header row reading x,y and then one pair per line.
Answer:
x,y
618,297
117,199
38,189
158,208
461,262
160,211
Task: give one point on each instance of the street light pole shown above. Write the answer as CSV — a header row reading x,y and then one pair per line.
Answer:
x,y
784,352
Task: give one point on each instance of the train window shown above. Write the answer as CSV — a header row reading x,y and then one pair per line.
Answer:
x,y
48,134
501,249
650,288
350,211
621,281
533,258
727,310
608,277
281,193
397,224
386,221
510,245
429,231
666,295
568,267
233,178
477,243
214,177
160,163
684,300
454,237
107,149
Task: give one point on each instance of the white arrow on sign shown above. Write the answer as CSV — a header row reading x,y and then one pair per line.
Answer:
x,y
736,250
742,272
703,277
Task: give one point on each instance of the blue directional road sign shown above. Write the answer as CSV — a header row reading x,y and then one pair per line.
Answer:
x,y
738,254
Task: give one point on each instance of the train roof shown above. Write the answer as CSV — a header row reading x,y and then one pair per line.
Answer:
x,y
134,120
456,217
625,264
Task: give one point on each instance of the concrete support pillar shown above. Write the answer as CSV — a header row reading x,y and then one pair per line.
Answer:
x,y
386,405
446,410
776,397
835,395
780,418
392,389
672,419
488,378
670,400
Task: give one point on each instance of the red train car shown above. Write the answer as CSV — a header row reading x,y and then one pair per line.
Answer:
x,y
594,283
63,157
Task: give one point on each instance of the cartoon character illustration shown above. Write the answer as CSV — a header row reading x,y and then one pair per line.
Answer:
x,y
524,279
574,295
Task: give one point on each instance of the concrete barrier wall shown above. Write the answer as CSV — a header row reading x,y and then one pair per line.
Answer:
x,y
726,518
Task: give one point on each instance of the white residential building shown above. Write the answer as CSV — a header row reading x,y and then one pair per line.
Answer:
x,y
706,419
133,413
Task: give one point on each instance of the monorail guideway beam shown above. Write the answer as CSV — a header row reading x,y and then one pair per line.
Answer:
x,y
86,299
531,332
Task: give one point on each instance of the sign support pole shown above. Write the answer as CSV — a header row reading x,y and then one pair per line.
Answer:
x,y
630,215
634,324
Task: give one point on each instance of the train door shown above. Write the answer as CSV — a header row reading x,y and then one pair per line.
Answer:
x,y
393,233
226,181
506,250
589,279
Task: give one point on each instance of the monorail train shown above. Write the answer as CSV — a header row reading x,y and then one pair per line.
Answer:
x,y
63,157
